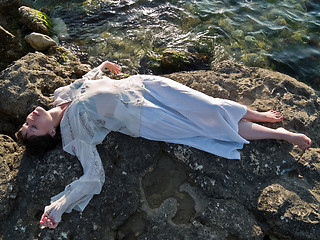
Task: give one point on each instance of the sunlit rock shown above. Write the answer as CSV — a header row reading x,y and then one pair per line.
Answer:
x,y
35,20
40,41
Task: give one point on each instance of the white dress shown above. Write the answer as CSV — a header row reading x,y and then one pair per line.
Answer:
x,y
175,113
145,106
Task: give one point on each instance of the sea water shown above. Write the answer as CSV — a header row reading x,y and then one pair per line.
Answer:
x,y
283,35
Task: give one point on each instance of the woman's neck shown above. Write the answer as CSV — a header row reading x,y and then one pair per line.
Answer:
x,y
58,112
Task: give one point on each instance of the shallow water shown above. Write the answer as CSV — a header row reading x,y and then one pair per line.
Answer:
x,y
280,35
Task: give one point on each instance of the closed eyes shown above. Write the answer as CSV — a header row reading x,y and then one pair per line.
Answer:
x,y
31,126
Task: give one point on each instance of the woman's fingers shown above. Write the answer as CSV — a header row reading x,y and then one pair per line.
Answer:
x,y
114,68
42,219
48,222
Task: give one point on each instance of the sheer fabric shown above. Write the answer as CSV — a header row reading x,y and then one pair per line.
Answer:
x,y
97,107
152,107
175,113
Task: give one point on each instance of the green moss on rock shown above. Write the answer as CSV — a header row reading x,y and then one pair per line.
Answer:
x,y
65,57
45,19
35,20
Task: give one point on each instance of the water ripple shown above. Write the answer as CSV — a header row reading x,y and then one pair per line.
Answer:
x,y
268,33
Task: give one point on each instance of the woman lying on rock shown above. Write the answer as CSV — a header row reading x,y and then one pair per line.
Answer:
x,y
145,106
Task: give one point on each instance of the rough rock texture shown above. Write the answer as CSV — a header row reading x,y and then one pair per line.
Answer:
x,y
169,61
10,160
156,190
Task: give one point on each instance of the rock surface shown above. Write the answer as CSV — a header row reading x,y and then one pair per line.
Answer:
x,y
18,19
35,20
8,42
40,41
156,190
12,44
10,160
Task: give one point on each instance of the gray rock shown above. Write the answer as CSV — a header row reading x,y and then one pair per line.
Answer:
x,y
40,41
293,210
157,190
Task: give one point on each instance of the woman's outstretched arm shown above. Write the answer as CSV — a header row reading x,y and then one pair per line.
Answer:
x,y
77,194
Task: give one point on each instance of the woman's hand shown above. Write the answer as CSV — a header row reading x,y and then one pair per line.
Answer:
x,y
114,68
52,213
45,221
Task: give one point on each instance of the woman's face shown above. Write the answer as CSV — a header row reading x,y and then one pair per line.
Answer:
x,y
38,123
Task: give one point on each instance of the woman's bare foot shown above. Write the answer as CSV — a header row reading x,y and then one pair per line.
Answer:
x,y
269,116
299,139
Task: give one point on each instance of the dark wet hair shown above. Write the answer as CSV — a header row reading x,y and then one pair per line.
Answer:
x,y
39,145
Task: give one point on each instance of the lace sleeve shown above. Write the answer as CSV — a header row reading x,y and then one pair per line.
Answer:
x,y
93,74
78,194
